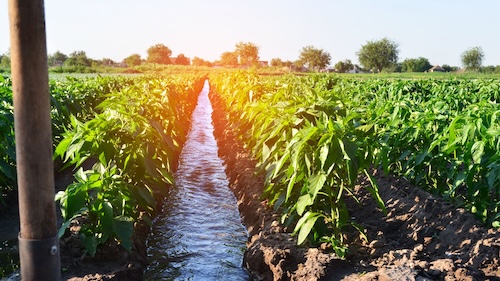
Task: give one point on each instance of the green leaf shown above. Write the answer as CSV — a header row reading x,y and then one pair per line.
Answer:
x,y
280,163
105,213
90,242
150,165
73,150
305,225
477,151
62,147
123,227
303,201
373,189
316,183
76,197
421,157
323,154
291,184
147,195
63,227
167,177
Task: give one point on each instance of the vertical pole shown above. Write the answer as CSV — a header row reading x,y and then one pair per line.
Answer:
x,y
38,241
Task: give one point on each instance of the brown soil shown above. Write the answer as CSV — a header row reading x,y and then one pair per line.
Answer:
x,y
421,238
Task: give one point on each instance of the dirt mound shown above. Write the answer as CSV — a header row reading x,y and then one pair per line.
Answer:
x,y
421,238
423,235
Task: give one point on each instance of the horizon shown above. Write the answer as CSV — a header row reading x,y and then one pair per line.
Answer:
x,y
115,30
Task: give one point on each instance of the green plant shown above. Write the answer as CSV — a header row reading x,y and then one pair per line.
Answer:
x,y
134,143
309,146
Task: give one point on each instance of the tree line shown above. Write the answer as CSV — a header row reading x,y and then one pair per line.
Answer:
x,y
383,55
374,56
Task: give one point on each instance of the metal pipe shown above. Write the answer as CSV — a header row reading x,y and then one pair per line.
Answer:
x,y
32,125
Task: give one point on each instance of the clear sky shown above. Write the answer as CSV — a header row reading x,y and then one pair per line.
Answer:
x,y
439,30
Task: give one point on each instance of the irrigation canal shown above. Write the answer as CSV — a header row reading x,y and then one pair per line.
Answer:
x,y
199,235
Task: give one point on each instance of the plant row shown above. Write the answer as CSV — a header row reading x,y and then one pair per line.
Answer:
x,y
71,97
314,135
310,147
443,135
122,138
132,146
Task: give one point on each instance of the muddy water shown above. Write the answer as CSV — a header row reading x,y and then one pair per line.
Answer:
x,y
199,235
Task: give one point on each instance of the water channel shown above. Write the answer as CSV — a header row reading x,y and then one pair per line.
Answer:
x,y
199,235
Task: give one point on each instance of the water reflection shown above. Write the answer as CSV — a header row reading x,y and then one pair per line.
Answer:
x,y
199,235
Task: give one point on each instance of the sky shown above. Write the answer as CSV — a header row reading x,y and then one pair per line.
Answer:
x,y
439,30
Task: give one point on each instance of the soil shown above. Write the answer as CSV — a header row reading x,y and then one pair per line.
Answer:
x,y
422,237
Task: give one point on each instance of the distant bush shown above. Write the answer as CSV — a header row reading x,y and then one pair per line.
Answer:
x,y
73,69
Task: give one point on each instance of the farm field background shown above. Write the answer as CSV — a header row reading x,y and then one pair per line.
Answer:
x,y
312,135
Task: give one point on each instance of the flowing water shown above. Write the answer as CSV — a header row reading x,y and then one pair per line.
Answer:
x,y
199,235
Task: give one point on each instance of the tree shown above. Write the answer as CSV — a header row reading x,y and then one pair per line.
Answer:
x,y
159,53
489,69
57,59
415,65
78,58
376,55
5,60
344,66
473,58
276,62
200,62
313,58
248,53
229,59
107,62
133,60
449,68
182,60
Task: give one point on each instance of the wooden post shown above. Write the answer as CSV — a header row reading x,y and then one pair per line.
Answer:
x,y
38,241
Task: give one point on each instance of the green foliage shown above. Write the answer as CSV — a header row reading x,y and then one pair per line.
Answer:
x,y
5,61
416,65
229,59
310,148
314,135
248,53
314,58
159,53
72,97
56,59
133,60
377,55
344,66
134,140
200,62
182,60
440,134
7,143
472,58
78,59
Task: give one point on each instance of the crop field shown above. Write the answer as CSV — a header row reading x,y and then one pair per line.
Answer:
x,y
313,136
128,130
